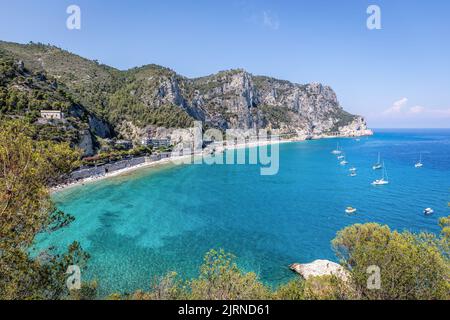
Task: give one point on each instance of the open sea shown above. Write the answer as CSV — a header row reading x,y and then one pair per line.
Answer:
x,y
155,220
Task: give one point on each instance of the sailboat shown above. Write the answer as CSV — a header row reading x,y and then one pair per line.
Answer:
x,y
353,172
337,150
377,165
344,162
383,180
419,164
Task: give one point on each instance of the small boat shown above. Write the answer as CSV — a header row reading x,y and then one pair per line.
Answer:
x,y
428,211
352,169
337,150
350,210
340,157
384,179
419,164
378,165
380,182
353,174
343,162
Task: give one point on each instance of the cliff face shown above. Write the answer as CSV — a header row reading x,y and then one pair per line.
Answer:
x,y
237,99
128,103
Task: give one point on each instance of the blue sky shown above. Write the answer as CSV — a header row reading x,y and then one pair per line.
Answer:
x,y
398,76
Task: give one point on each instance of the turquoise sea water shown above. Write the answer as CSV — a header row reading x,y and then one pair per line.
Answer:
x,y
153,221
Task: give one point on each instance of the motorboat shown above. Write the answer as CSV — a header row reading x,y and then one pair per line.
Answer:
x,y
350,210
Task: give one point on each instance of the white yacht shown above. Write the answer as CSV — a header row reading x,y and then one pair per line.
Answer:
x,y
343,162
419,164
337,150
378,165
383,180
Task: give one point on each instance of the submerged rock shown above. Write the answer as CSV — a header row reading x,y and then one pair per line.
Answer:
x,y
320,268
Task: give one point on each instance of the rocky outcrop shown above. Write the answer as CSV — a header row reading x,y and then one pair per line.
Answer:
x,y
320,268
355,128
86,144
99,127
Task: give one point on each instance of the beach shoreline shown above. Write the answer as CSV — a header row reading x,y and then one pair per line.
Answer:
x,y
177,160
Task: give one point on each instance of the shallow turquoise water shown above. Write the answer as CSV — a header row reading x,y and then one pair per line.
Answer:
x,y
154,221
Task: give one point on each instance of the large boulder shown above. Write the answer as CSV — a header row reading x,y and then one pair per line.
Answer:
x,y
320,268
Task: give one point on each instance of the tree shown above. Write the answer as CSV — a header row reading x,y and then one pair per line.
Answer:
x,y
168,287
27,168
412,266
293,290
221,279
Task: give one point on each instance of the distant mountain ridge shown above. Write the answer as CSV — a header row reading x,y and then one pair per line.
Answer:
x,y
132,101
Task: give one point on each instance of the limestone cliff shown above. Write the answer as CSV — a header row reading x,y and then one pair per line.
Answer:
x,y
237,99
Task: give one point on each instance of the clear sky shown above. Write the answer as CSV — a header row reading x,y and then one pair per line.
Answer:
x,y
398,76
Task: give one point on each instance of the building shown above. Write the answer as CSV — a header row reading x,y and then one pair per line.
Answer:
x,y
156,143
124,144
52,114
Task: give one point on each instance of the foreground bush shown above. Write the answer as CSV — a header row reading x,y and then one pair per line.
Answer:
x,y
411,266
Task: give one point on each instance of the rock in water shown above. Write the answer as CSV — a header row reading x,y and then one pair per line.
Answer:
x,y
320,268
